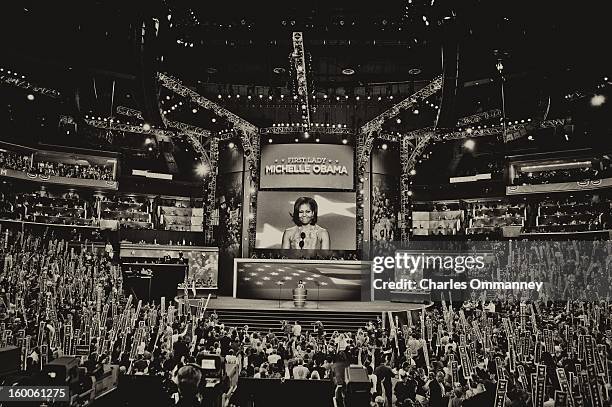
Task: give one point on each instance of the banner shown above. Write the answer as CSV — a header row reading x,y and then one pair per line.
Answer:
x,y
565,387
540,385
500,393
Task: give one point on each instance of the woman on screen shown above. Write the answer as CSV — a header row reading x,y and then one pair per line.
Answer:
x,y
306,234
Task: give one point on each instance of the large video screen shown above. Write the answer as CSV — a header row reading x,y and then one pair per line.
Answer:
x,y
335,217
308,166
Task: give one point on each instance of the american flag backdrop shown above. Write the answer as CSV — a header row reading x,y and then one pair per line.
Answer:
x,y
334,280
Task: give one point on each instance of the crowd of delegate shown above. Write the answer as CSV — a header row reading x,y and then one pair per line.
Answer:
x,y
439,357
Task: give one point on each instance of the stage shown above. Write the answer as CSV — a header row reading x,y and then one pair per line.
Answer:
x,y
231,303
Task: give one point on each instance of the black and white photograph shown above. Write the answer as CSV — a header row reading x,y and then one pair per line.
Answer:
x,y
404,203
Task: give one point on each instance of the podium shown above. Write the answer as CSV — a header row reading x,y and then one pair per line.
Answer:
x,y
299,297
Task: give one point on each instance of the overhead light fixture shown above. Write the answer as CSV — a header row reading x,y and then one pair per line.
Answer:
x,y
384,146
596,100
30,97
279,70
348,71
414,71
469,144
211,70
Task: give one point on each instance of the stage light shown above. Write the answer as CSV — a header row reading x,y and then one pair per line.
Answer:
x,y
409,193
356,97
202,170
306,135
415,111
398,120
469,144
194,110
231,145
219,96
384,146
30,97
566,137
413,172
296,140
317,140
270,140
148,140
344,141
146,127
530,138
598,100
213,120
150,148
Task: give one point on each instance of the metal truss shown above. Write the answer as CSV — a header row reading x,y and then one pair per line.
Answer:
x,y
513,132
249,133
211,191
23,84
302,129
184,127
110,124
479,117
299,61
376,123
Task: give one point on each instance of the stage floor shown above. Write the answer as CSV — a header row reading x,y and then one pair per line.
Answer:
x,y
221,303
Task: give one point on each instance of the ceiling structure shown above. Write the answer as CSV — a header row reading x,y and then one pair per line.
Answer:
x,y
361,59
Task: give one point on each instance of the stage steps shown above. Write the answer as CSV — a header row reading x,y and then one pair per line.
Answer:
x,y
264,320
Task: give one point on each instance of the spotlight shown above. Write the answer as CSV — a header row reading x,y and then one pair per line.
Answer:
x,y
146,127
30,97
306,135
415,111
596,100
413,172
270,140
530,138
384,146
409,193
317,140
194,110
202,170
148,140
344,141
213,120
231,145
296,140
469,144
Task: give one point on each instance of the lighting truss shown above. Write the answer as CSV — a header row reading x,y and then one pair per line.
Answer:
x,y
376,123
23,84
110,124
248,132
184,127
479,117
418,149
514,132
302,129
299,61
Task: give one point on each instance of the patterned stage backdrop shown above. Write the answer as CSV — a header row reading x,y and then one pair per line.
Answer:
x,y
385,208
334,280
229,204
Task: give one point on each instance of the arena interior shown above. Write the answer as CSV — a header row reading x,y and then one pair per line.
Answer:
x,y
326,204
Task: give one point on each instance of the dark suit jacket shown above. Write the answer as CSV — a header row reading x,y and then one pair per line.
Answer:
x,y
436,396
